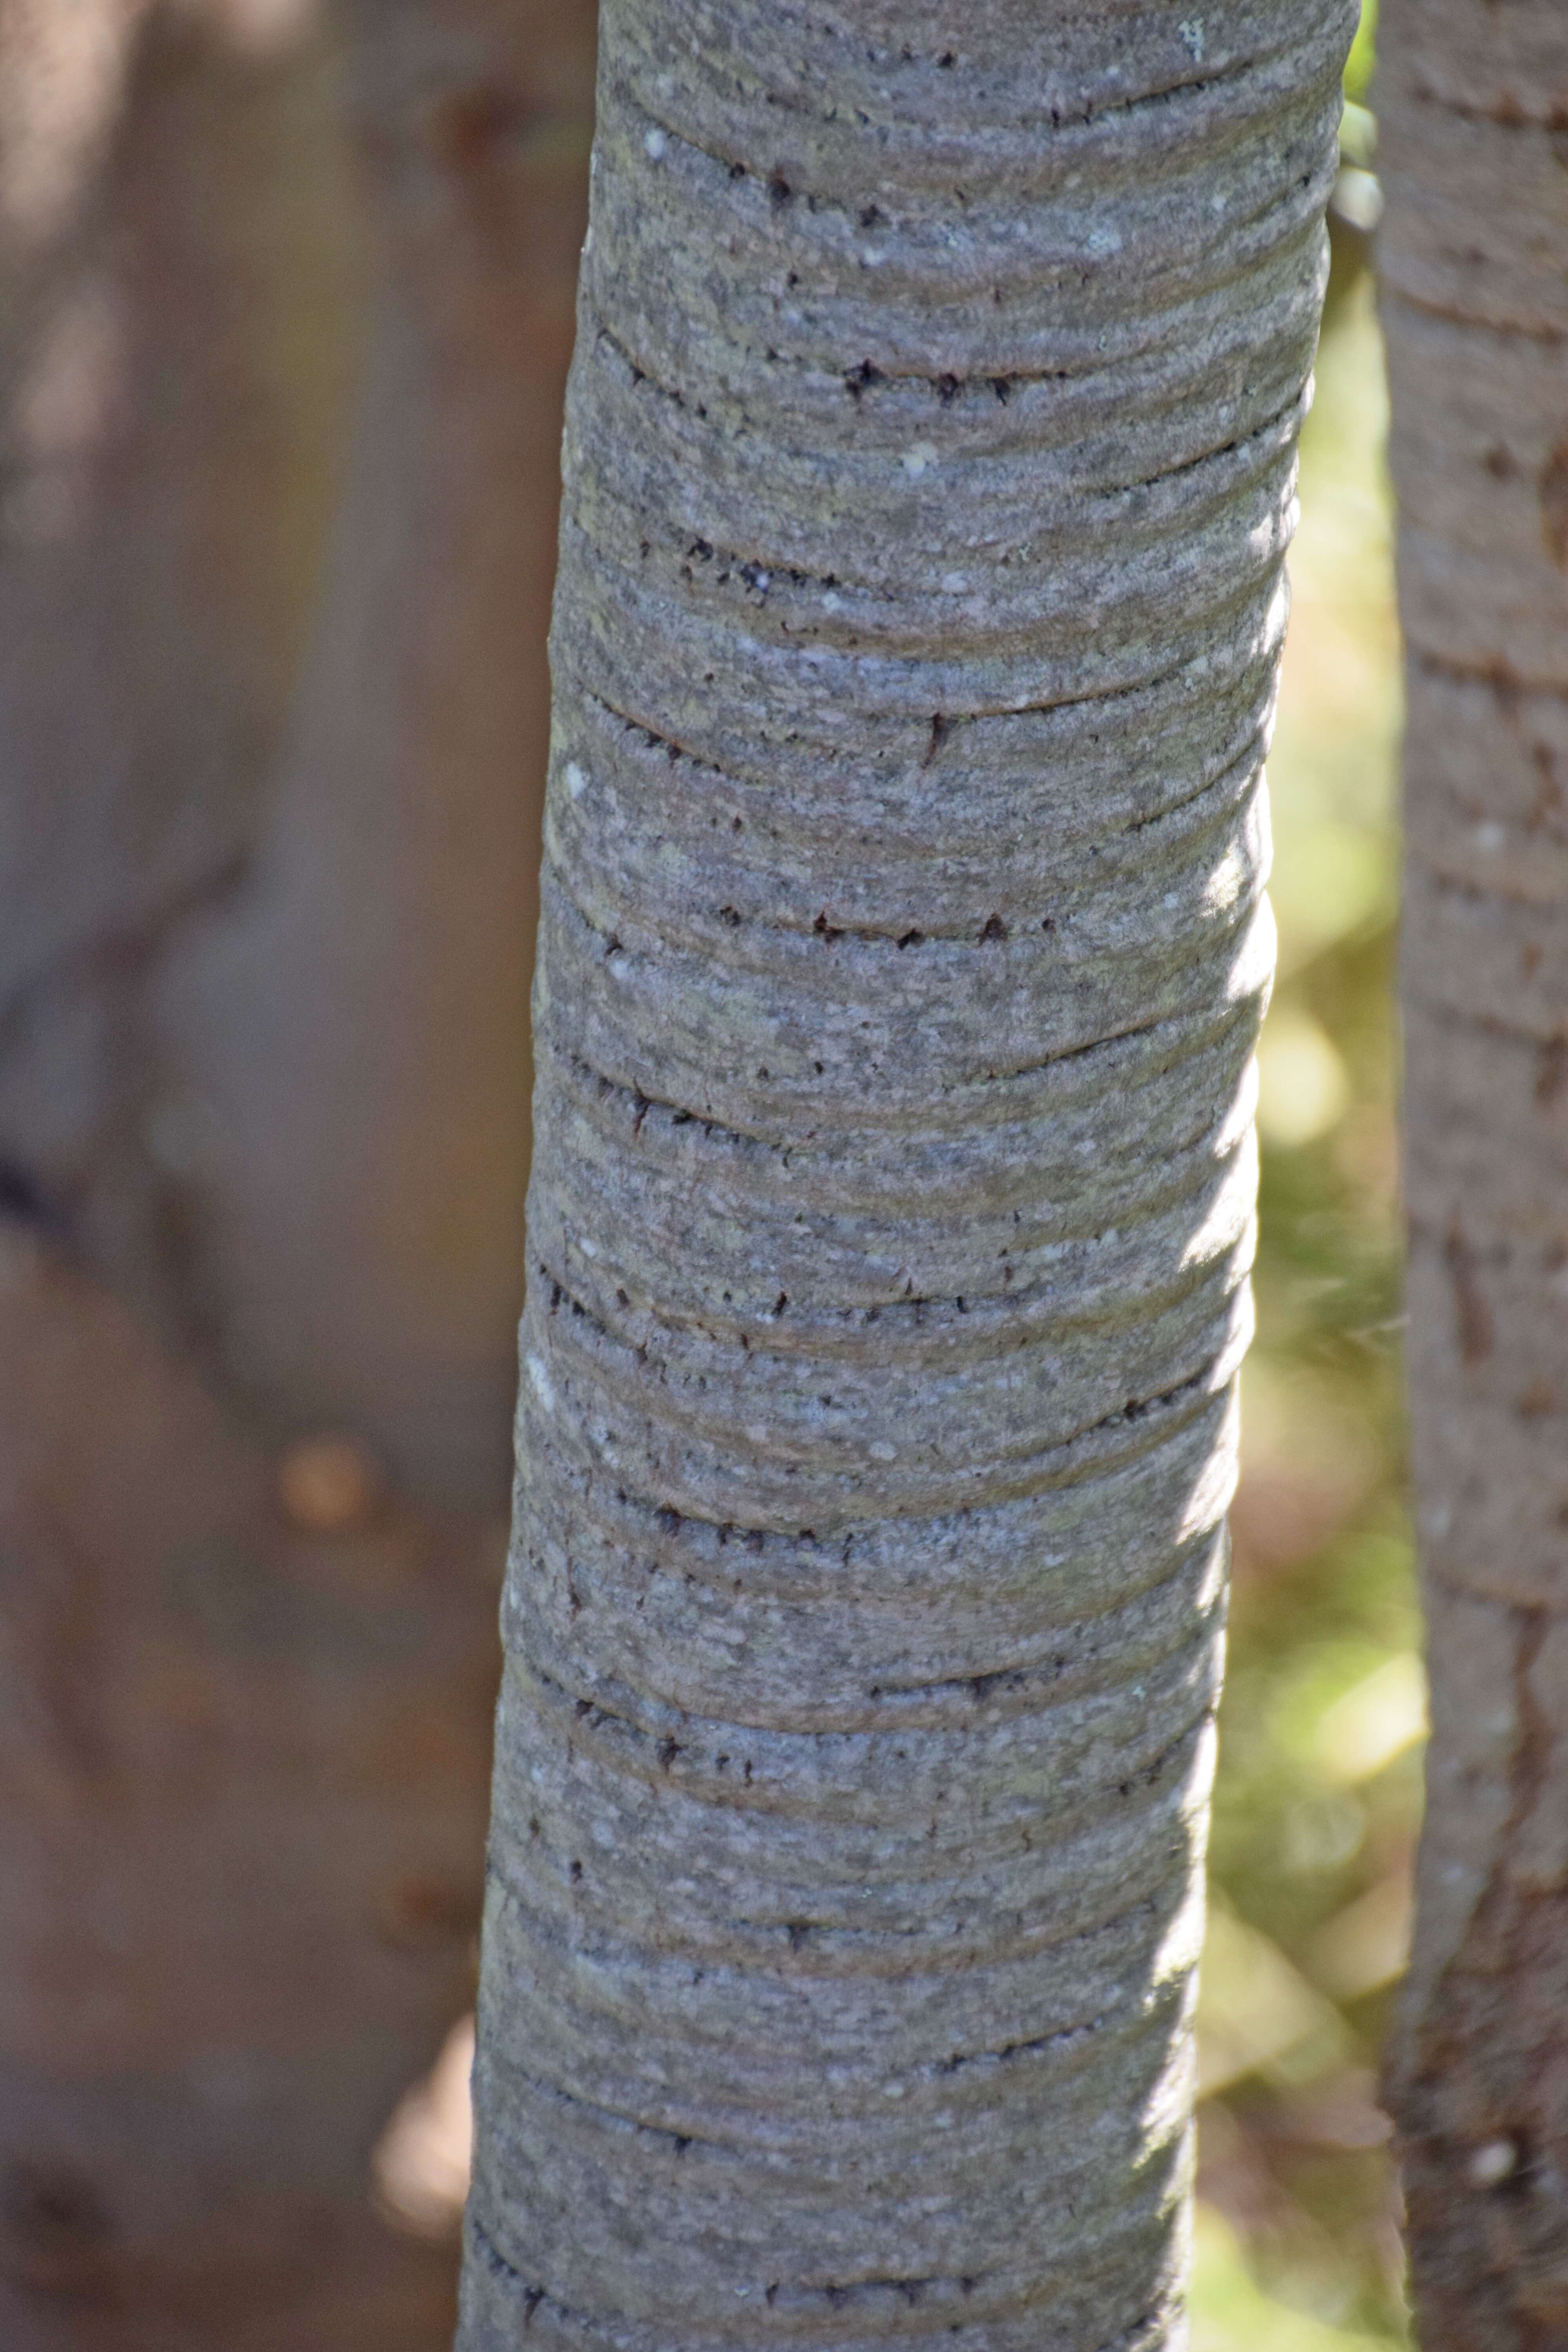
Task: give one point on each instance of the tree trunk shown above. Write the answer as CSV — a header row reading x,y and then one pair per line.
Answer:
x,y
1476,310
267,890
354,1227
929,466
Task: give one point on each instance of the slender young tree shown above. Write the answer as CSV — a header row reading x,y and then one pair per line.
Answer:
x,y
1475,268
929,464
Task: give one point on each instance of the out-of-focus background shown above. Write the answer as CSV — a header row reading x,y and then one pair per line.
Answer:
x,y
250,1539
1318,1795
287,294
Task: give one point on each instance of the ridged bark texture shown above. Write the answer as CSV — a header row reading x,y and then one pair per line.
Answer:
x,y
928,471
1474,114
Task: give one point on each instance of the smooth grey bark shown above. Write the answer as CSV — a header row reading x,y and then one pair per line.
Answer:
x,y
928,470
1472,106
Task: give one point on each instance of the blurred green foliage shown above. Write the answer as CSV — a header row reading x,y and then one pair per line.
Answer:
x,y
1362,56
1318,1798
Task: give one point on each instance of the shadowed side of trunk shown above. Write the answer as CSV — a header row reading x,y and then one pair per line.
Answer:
x,y
263,835
1472,105
928,470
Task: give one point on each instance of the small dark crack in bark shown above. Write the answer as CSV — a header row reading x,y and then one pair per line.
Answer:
x,y
1473,1317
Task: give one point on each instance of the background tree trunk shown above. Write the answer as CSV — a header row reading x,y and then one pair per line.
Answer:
x,y
1472,106
355,1226
262,1057
928,471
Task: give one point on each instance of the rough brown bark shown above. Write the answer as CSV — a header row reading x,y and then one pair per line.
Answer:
x,y
265,893
1472,107
928,470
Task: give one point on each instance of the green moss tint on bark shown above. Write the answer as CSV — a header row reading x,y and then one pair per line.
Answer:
x,y
928,470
